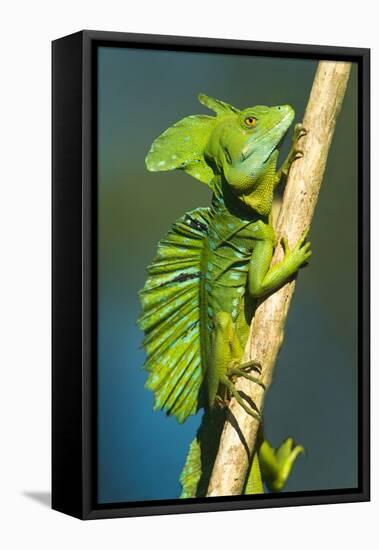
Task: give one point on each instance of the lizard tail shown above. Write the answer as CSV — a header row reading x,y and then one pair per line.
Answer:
x,y
197,470
198,467
254,483
191,474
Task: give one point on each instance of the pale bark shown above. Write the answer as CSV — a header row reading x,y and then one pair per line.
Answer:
x,y
266,331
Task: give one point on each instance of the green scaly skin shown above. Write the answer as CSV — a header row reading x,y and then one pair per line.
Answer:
x,y
210,269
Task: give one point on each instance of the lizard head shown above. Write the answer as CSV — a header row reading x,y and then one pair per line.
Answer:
x,y
238,145
242,145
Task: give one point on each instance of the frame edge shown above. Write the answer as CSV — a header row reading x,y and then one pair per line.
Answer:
x,y
67,476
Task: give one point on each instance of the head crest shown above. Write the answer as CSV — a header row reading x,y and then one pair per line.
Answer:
x,y
218,106
182,146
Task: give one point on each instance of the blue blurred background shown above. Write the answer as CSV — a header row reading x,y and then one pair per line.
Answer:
x,y
313,397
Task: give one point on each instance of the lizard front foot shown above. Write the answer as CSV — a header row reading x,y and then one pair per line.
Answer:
x,y
296,150
300,254
298,133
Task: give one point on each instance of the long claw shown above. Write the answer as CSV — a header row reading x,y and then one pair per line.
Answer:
x,y
250,365
254,379
301,241
223,403
298,154
239,399
286,247
299,131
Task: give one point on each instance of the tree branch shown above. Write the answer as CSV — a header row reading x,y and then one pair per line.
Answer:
x,y
266,331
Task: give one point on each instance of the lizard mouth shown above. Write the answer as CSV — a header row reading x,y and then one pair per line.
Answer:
x,y
275,148
271,152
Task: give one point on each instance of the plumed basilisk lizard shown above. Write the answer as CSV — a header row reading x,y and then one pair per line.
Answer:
x,y
210,268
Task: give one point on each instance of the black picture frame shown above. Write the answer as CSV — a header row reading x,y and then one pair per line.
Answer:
x,y
74,273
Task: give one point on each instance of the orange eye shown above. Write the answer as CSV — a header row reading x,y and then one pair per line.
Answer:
x,y
250,121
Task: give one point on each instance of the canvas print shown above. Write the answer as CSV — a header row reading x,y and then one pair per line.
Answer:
x,y
227,302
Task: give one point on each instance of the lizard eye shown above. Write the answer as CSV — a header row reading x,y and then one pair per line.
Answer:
x,y
250,121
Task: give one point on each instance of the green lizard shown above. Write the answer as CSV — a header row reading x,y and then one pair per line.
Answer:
x,y
210,269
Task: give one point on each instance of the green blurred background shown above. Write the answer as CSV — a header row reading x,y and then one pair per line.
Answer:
x,y
313,397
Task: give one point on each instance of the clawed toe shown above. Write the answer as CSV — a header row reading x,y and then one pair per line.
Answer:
x,y
250,365
300,131
222,403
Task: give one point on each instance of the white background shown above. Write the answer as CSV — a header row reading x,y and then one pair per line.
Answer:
x,y
27,29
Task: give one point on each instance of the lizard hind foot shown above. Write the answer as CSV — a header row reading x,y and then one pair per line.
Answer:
x,y
244,370
223,403
240,400
250,365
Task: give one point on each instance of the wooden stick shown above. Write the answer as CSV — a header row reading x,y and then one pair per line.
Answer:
x,y
266,331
